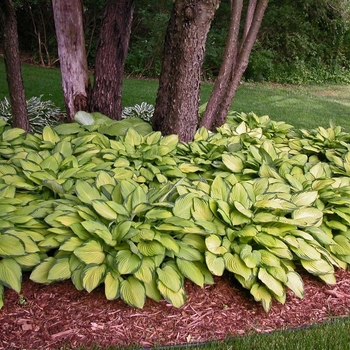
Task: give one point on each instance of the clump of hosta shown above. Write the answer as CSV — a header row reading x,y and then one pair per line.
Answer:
x,y
40,113
112,203
144,111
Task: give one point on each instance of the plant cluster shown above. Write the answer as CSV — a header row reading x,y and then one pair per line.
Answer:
x,y
40,113
144,111
112,203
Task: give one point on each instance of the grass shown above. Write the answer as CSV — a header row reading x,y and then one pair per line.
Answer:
x,y
301,106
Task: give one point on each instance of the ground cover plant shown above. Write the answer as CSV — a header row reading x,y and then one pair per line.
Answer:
x,y
112,203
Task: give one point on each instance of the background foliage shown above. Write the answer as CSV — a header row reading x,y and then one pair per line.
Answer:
x,y
299,42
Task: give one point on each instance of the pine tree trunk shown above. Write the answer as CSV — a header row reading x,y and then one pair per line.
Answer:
x,y
176,110
106,96
71,51
13,65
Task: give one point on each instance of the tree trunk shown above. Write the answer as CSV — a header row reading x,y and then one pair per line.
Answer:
x,y
71,51
235,61
176,110
106,96
13,65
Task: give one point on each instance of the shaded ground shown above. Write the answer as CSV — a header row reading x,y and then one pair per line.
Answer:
x,y
54,316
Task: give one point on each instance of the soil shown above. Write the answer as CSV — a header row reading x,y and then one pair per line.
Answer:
x,y
59,316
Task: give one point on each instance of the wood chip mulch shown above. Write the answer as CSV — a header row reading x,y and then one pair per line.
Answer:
x,y
55,316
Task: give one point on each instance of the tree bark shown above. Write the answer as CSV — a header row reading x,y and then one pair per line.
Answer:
x,y
71,51
235,62
176,110
106,95
13,65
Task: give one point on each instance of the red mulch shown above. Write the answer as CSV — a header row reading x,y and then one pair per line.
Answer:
x,y
58,315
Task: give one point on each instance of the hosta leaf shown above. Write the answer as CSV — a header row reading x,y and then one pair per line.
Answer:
x,y
112,286
54,186
152,290
191,271
317,267
328,278
170,141
236,265
28,261
127,262
295,283
240,207
189,253
86,192
216,264
40,273
168,242
170,278
269,259
261,293
307,217
151,248
251,258
104,210
306,251
219,189
158,214
11,246
233,163
177,299
146,270
60,270
71,244
11,134
183,206
269,241
90,252
50,135
278,273
29,166
201,210
213,243
1,295
100,230
103,178
305,199
92,276
10,274
132,291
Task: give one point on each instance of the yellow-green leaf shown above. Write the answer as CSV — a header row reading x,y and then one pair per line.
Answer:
x,y
90,252
92,276
132,291
10,274
60,270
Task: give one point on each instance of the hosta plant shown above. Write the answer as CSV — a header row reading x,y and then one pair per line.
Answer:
x,y
40,113
113,203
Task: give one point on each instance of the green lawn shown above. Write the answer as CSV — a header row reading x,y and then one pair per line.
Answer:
x,y
301,106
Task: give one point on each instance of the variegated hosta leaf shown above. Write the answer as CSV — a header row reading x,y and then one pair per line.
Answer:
x,y
90,252
215,264
170,278
112,285
271,282
261,293
132,291
92,276
10,274
191,271
236,265
127,262
60,270
177,299
295,283
86,192
11,246
41,272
